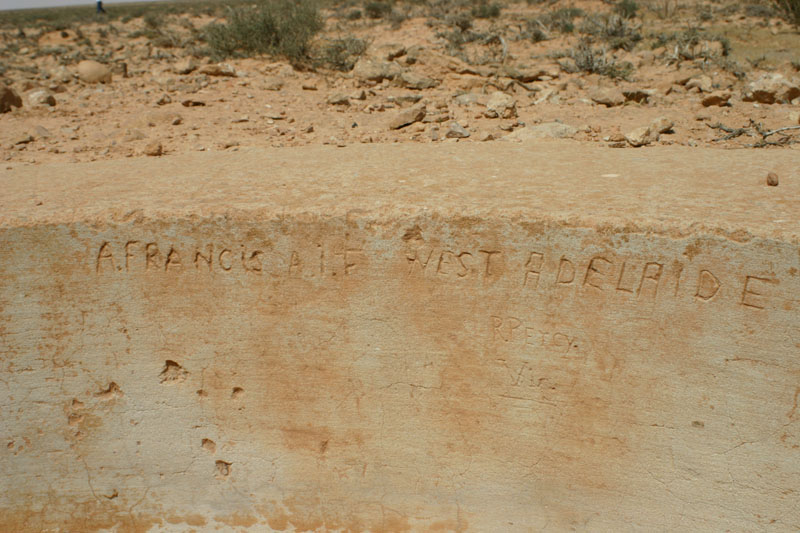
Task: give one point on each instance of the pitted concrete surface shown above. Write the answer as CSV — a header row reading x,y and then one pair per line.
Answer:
x,y
504,337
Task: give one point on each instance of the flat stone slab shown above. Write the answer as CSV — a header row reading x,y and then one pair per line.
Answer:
x,y
482,337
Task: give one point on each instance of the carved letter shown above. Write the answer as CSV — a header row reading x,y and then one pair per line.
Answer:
x,y
465,268
221,261
565,266
105,255
590,280
533,269
489,254
207,258
647,273
619,281
751,298
294,263
707,285
253,262
173,259
497,322
417,259
151,253
128,253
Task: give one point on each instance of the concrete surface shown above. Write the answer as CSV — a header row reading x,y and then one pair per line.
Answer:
x,y
531,337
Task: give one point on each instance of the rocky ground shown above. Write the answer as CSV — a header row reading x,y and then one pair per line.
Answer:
x,y
697,74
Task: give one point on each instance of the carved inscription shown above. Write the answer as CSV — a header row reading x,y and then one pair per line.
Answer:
x,y
601,275
153,256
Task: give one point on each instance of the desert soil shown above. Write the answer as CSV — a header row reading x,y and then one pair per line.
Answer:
x,y
164,99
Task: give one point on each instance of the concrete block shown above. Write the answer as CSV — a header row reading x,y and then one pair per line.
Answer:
x,y
482,337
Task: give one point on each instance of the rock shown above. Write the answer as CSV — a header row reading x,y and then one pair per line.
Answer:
x,y
185,66
93,72
501,105
772,179
133,135
641,136
218,69
640,96
338,99
273,83
662,125
608,97
367,69
8,99
772,88
467,99
412,80
546,130
794,118
702,83
153,149
309,86
456,131
192,103
164,100
25,138
41,97
407,116
389,52
527,75
42,132
719,98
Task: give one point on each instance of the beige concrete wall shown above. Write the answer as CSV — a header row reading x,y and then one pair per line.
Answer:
x,y
167,367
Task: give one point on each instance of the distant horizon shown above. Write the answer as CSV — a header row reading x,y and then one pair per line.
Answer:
x,y
8,5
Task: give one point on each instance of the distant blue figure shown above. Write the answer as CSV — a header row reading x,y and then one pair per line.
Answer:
x,y
100,6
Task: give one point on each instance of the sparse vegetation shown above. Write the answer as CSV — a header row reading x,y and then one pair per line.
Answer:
x,y
279,27
585,58
340,54
789,10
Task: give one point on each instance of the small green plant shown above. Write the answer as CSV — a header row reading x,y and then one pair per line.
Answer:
x,y
626,9
279,27
789,10
595,61
377,10
485,10
340,54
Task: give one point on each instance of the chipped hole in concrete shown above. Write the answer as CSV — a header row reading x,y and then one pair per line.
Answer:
x,y
173,372
223,469
237,393
209,445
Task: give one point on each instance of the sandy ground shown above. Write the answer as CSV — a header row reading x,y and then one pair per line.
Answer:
x,y
268,102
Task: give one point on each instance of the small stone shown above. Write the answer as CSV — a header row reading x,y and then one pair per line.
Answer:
x,y
640,96
367,69
608,97
219,69
434,133
467,99
186,66
411,80
8,99
719,98
457,131
500,105
164,100
41,97
25,138
192,103
42,132
390,52
309,86
153,149
702,83
794,118
772,88
772,179
641,136
273,83
546,130
661,125
93,72
407,117
339,99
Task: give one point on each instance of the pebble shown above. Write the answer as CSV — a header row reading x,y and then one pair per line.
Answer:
x,y
772,179
153,149
457,131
